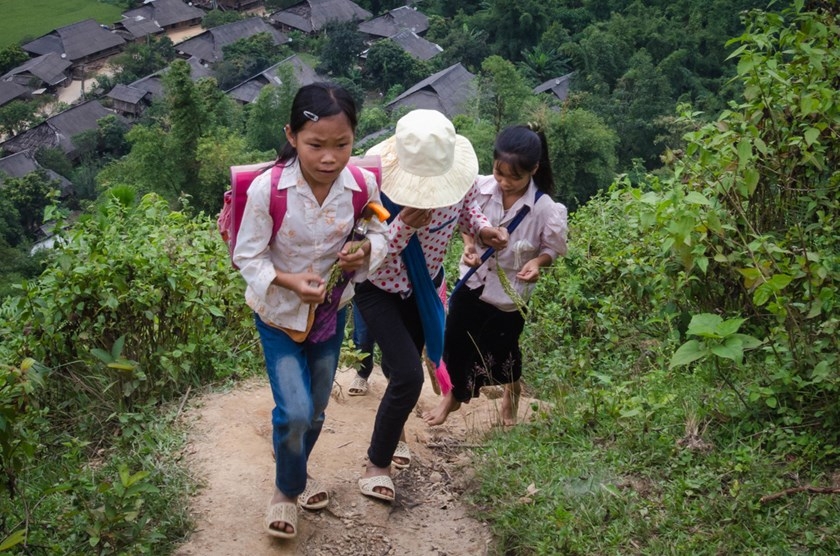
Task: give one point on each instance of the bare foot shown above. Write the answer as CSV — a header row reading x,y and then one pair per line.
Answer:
x,y
373,471
282,525
510,404
438,415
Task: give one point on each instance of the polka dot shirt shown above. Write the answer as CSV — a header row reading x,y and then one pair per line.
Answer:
x,y
392,276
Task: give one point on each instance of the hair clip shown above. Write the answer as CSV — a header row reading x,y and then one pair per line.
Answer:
x,y
311,116
534,126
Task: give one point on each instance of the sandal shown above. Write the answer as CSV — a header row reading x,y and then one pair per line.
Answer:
x,y
283,512
358,387
401,452
367,484
313,488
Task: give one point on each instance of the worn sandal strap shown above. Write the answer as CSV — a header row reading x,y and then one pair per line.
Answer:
x,y
313,488
285,512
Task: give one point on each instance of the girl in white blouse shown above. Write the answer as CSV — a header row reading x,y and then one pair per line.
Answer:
x,y
286,278
484,323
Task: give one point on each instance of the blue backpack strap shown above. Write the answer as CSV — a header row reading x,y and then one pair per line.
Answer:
x,y
486,255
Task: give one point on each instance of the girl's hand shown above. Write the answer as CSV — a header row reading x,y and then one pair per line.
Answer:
x,y
530,271
416,218
470,256
310,287
353,255
497,238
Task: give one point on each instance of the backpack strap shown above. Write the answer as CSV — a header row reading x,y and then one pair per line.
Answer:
x,y
486,255
360,198
277,202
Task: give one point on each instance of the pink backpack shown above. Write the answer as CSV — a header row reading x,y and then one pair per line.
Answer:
x,y
242,176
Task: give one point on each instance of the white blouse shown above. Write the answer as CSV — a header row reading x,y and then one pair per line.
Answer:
x,y
542,231
308,240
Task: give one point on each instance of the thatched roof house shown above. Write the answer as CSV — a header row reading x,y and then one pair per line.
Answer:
x,y
153,84
447,91
58,131
559,86
9,91
248,91
80,42
157,16
395,21
23,163
207,47
49,70
129,100
310,16
416,45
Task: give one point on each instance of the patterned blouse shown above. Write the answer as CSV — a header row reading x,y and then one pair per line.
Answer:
x,y
309,240
392,276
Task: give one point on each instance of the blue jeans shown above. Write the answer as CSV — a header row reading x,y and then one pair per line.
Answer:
x,y
301,378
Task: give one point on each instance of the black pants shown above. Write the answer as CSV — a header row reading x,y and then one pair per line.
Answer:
x,y
394,324
481,344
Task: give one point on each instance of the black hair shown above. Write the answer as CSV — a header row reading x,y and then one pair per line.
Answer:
x,y
318,100
522,148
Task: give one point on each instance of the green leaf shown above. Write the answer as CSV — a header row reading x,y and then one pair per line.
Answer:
x,y
744,153
762,294
779,281
812,134
729,327
704,324
12,540
771,402
117,348
751,177
748,342
702,263
696,198
687,353
102,355
732,349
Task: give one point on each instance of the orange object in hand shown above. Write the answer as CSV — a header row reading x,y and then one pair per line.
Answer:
x,y
378,210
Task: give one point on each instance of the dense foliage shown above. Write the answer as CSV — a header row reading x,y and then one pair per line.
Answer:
x,y
689,339
138,305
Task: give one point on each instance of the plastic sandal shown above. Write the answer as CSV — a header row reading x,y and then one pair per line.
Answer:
x,y
358,387
313,488
367,484
402,452
285,512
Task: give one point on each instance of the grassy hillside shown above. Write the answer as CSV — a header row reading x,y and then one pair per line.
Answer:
x,y
32,18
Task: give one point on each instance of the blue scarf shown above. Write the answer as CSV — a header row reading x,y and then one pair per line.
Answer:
x,y
432,314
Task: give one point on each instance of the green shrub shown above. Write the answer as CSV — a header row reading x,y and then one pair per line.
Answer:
x,y
152,289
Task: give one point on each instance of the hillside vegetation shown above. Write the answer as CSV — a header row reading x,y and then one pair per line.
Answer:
x,y
686,347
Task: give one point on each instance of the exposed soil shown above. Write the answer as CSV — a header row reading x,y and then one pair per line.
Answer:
x,y
230,452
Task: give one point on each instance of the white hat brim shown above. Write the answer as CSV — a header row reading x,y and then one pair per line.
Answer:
x,y
427,192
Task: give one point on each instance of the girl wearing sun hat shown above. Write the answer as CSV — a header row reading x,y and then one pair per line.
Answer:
x,y
428,174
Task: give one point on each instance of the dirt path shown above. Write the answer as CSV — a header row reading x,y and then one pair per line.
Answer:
x,y
230,450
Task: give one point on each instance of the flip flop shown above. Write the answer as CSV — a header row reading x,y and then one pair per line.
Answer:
x,y
367,484
403,452
358,387
285,512
313,488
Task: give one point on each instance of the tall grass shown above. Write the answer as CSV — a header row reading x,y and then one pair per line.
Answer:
x,y
29,19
